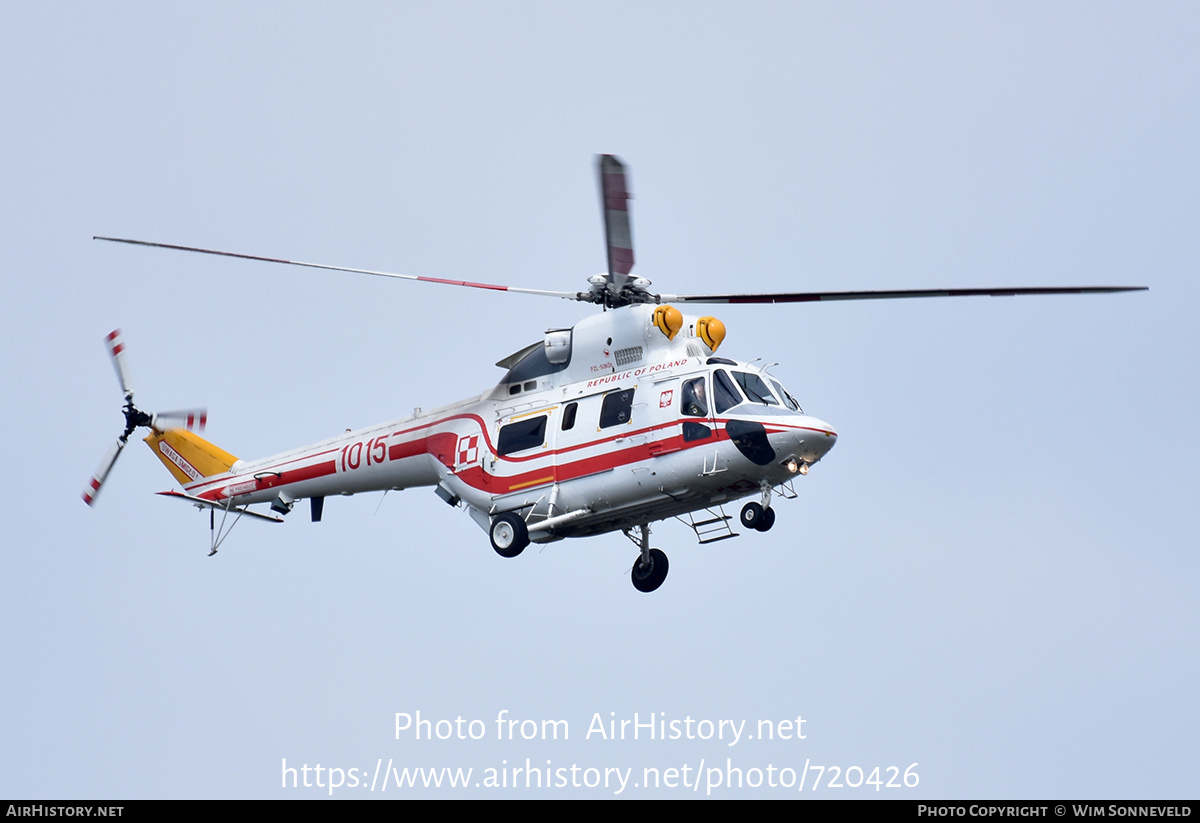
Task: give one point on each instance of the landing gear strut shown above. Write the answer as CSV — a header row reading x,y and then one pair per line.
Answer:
x,y
650,569
509,534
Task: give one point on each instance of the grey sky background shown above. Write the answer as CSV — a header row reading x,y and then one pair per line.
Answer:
x,y
993,575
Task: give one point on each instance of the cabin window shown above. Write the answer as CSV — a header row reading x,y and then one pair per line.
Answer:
x,y
694,402
521,435
695,431
726,393
616,409
568,421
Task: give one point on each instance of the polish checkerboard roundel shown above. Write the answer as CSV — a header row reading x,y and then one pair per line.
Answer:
x,y
468,448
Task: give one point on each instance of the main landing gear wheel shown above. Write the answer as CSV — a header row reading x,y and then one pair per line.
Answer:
x,y
649,576
509,534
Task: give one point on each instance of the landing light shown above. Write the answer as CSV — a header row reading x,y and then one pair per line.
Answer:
x,y
796,466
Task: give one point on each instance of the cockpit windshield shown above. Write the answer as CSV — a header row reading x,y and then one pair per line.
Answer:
x,y
788,400
761,389
754,388
727,395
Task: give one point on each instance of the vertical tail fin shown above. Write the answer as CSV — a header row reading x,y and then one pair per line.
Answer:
x,y
188,456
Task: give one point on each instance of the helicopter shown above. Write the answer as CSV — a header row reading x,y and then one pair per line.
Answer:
x,y
625,419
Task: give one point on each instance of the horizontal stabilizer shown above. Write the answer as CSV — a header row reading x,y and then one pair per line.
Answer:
x,y
214,504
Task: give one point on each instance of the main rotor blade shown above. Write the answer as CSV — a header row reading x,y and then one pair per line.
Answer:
x,y
92,490
614,198
816,296
566,295
116,350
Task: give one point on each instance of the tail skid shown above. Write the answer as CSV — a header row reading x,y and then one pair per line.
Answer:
x,y
218,535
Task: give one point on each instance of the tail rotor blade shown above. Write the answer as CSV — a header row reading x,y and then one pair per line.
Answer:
x,y
193,419
92,490
116,350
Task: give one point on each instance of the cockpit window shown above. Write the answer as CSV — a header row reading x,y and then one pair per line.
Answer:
x,y
788,400
726,393
694,402
754,387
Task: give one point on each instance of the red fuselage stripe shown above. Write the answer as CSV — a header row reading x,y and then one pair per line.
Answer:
x,y
476,477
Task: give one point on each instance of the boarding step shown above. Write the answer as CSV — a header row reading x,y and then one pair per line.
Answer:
x,y
712,528
786,490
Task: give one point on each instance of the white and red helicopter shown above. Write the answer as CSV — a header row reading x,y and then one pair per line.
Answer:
x,y
627,418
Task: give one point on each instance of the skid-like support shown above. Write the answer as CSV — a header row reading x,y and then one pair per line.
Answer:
x,y
219,533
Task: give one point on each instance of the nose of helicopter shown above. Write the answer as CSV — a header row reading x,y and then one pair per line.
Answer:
x,y
811,439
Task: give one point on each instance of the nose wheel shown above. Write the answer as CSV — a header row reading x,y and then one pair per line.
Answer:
x,y
754,516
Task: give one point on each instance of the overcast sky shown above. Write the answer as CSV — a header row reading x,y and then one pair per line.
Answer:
x,y
992,576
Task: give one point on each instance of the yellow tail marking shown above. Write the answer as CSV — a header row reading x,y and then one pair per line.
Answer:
x,y
188,456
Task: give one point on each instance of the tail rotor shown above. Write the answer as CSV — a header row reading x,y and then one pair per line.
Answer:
x,y
193,419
